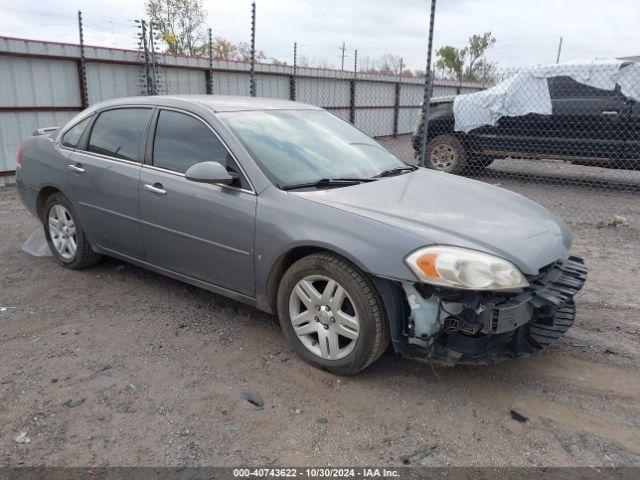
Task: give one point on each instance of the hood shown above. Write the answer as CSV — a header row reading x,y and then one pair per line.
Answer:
x,y
447,209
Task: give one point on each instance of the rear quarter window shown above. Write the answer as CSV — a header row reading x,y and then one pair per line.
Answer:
x,y
72,136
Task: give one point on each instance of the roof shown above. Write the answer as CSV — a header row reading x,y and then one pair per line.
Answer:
x,y
231,103
217,103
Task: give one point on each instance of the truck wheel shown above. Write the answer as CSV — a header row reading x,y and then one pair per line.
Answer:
x,y
332,314
446,153
65,235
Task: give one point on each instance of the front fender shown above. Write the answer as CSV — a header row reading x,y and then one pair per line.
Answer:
x,y
285,222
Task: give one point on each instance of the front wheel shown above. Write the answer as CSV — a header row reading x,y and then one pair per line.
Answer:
x,y
64,233
332,314
446,153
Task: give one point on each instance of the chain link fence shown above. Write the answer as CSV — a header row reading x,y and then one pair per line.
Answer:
x,y
566,135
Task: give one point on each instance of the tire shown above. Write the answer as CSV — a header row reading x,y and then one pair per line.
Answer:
x,y
57,211
327,318
446,154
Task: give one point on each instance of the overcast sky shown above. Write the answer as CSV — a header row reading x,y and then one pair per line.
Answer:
x,y
527,31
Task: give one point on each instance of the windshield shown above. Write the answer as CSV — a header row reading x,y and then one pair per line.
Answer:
x,y
304,146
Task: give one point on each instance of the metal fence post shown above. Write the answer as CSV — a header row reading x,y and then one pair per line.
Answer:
x,y
145,50
82,67
396,102
355,62
252,72
292,78
209,75
427,89
152,57
396,110
352,89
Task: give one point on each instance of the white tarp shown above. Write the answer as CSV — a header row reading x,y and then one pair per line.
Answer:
x,y
36,244
528,91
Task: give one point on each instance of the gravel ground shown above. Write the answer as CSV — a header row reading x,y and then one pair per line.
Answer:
x,y
118,366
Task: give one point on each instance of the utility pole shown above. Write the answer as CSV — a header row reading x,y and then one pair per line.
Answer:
x,y
559,50
400,69
343,55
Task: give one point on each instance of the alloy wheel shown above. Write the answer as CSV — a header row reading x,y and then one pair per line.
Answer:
x,y
62,231
324,317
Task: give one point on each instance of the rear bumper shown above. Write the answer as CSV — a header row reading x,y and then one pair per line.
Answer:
x,y
513,326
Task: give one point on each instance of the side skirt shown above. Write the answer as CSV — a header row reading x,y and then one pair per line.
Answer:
x,y
225,292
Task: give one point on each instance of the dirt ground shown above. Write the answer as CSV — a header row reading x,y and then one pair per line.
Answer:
x,y
118,366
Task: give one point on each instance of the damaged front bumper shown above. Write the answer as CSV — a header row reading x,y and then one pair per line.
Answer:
x,y
467,327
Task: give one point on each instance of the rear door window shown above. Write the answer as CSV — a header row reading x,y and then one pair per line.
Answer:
x,y
118,133
72,137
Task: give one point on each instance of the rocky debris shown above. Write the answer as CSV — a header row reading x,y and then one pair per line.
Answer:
x,y
74,402
22,438
518,417
253,398
417,456
616,221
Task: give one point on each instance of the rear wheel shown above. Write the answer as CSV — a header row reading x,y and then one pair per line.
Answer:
x,y
65,235
332,314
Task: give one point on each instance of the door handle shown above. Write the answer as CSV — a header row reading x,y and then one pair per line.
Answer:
x,y
155,188
610,112
76,168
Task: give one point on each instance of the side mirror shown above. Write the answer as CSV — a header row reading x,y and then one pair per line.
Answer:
x,y
210,172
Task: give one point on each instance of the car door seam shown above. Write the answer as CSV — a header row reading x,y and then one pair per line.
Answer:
x,y
153,225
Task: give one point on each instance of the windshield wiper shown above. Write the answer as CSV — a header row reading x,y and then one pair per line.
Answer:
x,y
328,182
395,171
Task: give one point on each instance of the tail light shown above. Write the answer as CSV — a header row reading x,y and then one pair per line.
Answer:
x,y
19,157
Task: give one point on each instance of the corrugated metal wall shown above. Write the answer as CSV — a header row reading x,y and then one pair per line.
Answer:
x,y
40,87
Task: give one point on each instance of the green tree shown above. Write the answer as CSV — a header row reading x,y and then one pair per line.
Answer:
x,y
450,61
478,47
180,24
469,63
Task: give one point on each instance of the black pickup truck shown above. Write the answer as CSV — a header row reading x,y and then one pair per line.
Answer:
x,y
588,126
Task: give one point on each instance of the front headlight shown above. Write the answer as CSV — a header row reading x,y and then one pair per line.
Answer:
x,y
457,267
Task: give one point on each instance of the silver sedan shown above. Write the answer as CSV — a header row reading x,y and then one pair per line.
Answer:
x,y
289,208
